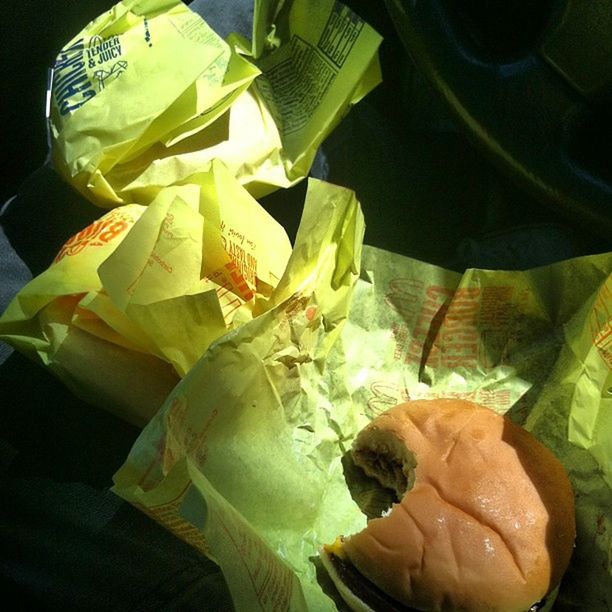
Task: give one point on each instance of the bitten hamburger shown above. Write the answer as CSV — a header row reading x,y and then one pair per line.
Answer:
x,y
485,519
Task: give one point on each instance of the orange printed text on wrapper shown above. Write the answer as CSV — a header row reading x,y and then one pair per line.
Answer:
x,y
100,233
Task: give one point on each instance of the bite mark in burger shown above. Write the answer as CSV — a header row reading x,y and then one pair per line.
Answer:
x,y
485,521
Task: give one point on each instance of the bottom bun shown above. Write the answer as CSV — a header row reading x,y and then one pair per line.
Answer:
x,y
361,595
358,593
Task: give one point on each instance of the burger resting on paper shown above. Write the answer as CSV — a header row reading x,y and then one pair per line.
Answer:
x,y
485,519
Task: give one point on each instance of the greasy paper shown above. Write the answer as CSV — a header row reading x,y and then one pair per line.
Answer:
x,y
147,94
150,288
237,462
249,469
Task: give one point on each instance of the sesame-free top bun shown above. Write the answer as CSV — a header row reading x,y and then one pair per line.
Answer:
x,y
488,521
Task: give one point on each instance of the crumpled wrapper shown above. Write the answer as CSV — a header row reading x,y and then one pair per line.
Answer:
x,y
245,458
239,462
148,94
131,302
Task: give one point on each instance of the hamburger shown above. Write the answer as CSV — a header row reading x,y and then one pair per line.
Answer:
x,y
484,519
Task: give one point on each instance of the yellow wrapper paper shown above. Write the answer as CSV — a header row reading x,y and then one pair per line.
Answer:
x,y
249,469
134,300
213,453
317,60
145,73
147,94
